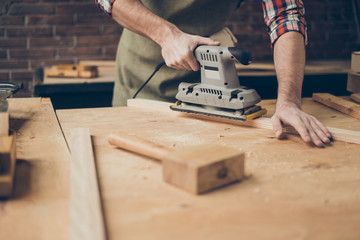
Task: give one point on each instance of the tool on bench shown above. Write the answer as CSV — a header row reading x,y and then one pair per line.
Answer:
x,y
196,169
219,94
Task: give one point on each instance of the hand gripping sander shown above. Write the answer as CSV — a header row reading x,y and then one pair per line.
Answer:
x,y
219,94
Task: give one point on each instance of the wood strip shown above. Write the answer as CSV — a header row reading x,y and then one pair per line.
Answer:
x,y
4,118
355,97
263,122
7,164
350,108
87,220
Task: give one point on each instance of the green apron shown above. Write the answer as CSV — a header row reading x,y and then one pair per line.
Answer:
x,y
138,56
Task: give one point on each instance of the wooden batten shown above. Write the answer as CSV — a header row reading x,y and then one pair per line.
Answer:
x,y
7,164
349,108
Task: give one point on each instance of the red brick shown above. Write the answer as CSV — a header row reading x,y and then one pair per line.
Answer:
x,y
12,42
11,20
112,29
82,51
22,75
99,40
110,51
4,76
28,8
3,54
95,19
49,62
77,30
30,53
77,8
29,31
13,64
51,42
46,19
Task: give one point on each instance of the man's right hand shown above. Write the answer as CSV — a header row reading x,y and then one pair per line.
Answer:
x,y
177,46
178,50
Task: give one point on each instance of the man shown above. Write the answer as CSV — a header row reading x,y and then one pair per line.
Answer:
x,y
157,30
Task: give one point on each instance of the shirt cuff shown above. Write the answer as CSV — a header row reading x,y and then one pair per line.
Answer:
x,y
105,6
277,29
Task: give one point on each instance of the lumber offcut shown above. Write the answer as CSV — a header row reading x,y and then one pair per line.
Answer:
x,y
350,108
87,220
7,164
4,118
355,97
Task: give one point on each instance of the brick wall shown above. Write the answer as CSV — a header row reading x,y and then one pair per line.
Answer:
x,y
37,33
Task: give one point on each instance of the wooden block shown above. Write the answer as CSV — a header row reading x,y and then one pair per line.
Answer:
x,y
87,221
355,97
67,72
4,118
199,169
339,104
7,164
353,83
76,67
196,169
355,62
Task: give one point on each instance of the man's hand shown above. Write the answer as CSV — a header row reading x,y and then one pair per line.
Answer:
x,y
177,46
289,58
178,50
309,128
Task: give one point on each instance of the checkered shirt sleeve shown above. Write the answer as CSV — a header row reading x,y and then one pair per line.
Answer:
x,y
105,6
283,16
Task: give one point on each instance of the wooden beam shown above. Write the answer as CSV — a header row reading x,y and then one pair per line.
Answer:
x,y
87,221
355,97
350,108
7,164
4,118
263,122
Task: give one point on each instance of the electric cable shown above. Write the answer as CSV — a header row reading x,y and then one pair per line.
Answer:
x,y
148,80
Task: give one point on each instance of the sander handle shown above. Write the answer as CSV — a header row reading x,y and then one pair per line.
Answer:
x,y
137,145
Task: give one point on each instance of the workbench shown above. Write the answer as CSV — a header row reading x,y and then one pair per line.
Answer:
x,y
291,191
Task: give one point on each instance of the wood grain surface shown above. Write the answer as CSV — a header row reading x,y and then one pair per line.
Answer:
x,y
39,206
292,190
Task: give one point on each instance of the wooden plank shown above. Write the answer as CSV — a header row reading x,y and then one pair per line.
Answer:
x,y
39,205
350,108
292,190
85,207
4,118
263,122
7,164
355,97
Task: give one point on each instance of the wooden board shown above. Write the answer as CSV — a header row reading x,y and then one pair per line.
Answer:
x,y
4,118
292,190
355,97
339,104
7,164
39,207
85,208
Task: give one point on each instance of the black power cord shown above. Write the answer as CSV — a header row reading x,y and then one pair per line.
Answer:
x,y
148,80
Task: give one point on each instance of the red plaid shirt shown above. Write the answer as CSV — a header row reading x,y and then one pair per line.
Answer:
x,y
280,16
283,16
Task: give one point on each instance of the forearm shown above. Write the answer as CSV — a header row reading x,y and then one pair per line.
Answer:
x,y
289,59
133,15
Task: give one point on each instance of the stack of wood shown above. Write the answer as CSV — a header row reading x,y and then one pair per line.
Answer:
x,y
7,152
72,71
353,84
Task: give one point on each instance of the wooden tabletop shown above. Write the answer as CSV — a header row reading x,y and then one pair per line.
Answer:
x,y
292,190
